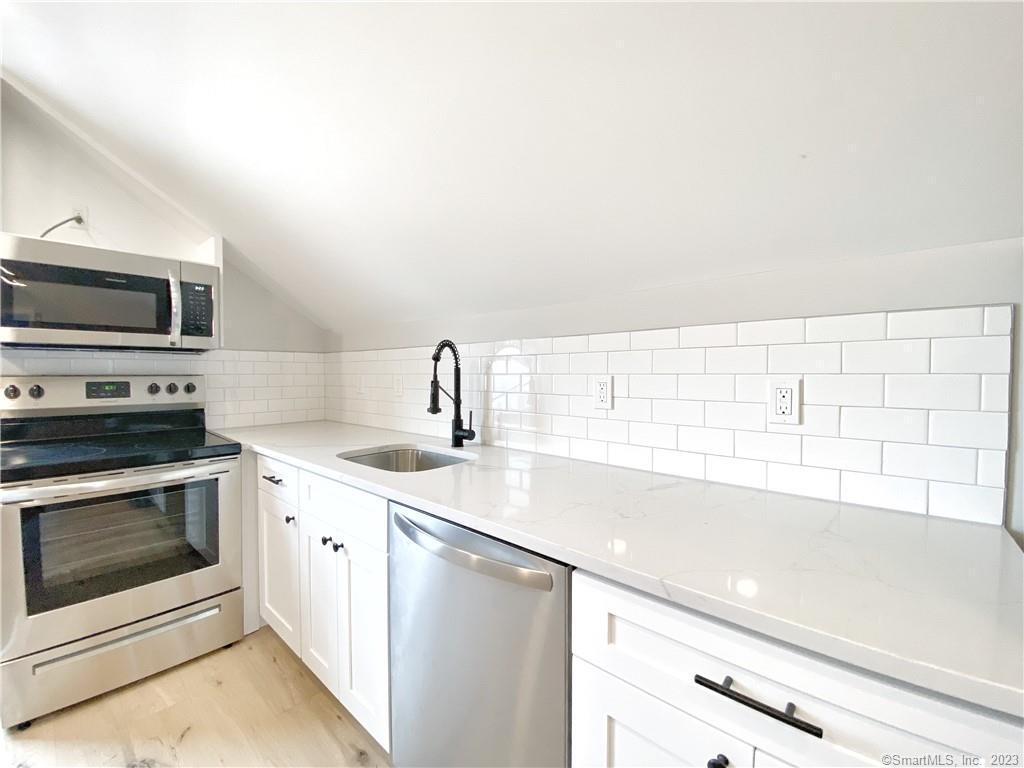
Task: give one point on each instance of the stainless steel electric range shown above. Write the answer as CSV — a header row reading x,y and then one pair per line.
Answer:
x,y
120,542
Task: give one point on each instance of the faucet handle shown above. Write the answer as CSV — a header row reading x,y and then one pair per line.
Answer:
x,y
471,422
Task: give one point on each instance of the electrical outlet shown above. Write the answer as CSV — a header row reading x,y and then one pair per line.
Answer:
x,y
603,393
398,383
784,399
82,211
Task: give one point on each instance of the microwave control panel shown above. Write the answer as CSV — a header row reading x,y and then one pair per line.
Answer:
x,y
197,309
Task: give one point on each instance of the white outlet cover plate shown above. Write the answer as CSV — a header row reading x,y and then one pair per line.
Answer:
x,y
794,384
603,384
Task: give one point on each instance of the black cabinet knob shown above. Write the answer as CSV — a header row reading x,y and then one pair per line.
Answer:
x,y
325,539
718,762
190,388
35,391
11,392
153,388
288,519
336,547
172,388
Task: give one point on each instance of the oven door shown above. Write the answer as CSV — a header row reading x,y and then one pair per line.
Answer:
x,y
87,557
66,295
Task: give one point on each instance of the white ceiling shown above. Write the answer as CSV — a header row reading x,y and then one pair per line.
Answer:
x,y
409,159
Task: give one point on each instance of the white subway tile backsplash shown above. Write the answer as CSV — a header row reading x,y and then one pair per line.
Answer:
x,y
842,453
689,412
895,424
885,394
789,331
657,339
843,389
747,472
941,391
721,335
631,456
707,387
736,360
987,354
972,429
588,362
655,385
629,362
966,502
900,356
680,463
846,327
804,481
607,342
930,462
998,320
923,324
992,468
804,358
749,416
815,420
652,435
705,440
678,360
902,493
995,393
768,446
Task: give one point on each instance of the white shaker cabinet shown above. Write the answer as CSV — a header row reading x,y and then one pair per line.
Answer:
x,y
318,590
616,724
279,567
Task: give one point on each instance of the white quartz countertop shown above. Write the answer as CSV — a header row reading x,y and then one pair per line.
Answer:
x,y
931,602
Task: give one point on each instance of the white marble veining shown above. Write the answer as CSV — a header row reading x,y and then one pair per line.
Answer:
x,y
935,603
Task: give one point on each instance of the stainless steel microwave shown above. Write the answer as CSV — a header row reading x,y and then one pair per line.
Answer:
x,y
62,295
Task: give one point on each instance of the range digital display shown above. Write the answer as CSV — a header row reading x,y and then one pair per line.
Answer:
x,y
104,389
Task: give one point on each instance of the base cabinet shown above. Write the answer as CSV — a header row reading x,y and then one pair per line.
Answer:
x,y
324,585
615,724
279,568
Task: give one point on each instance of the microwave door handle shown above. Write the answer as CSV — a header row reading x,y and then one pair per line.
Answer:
x,y
175,307
22,495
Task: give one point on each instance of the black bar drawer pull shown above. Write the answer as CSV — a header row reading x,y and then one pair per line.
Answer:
x,y
272,479
787,717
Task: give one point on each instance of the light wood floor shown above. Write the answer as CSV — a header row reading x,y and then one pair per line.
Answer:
x,y
253,704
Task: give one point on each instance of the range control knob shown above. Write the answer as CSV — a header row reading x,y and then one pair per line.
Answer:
x,y
11,392
190,388
35,391
172,388
153,389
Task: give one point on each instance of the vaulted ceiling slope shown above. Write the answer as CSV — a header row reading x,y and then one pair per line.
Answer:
x,y
403,160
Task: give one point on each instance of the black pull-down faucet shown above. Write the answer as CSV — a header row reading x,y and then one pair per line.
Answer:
x,y
459,433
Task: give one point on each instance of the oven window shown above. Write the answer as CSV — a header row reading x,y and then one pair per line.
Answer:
x,y
49,296
80,550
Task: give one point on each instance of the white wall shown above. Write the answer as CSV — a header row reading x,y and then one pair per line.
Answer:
x,y
46,171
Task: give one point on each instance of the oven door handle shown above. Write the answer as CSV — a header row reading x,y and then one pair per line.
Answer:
x,y
22,495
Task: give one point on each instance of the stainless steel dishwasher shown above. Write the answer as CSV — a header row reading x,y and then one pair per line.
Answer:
x,y
479,648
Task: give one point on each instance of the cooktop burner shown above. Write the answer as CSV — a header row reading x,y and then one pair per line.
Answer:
x,y
39,447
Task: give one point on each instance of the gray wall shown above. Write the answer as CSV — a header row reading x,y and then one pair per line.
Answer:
x,y
257,317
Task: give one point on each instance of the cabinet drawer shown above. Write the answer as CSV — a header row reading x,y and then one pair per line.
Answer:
x,y
279,479
357,513
615,724
661,648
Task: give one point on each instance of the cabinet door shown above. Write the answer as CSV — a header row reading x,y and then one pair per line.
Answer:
x,y
279,568
318,587
615,724
363,630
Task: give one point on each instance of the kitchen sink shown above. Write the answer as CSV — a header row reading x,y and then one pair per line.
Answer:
x,y
403,458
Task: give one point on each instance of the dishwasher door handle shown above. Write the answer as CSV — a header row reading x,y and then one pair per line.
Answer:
x,y
525,577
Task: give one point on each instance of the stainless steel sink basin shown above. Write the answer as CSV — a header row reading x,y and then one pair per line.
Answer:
x,y
403,458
